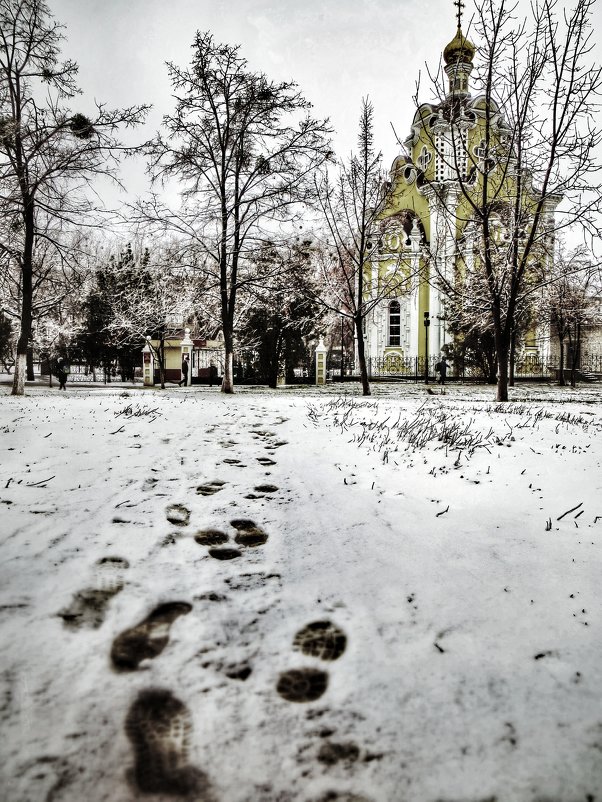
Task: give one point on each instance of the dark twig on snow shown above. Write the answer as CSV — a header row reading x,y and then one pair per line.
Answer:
x,y
568,511
41,482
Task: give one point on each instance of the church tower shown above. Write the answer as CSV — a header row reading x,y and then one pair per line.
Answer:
x,y
426,229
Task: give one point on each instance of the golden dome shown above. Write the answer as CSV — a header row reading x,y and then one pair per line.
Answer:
x,y
459,49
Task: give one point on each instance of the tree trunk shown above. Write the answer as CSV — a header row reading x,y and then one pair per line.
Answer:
x,y
561,379
575,355
228,378
26,300
361,357
512,359
273,369
162,360
23,341
30,372
503,359
19,374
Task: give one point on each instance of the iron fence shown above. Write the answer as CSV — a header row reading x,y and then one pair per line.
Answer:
x,y
396,368
591,363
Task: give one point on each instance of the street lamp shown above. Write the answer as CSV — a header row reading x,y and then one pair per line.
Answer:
x,y
427,323
342,351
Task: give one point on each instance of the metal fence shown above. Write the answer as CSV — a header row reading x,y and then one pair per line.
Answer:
x,y
396,368
591,363
85,373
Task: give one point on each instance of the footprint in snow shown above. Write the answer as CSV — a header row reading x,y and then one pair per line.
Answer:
x,y
211,537
159,727
88,607
224,553
147,639
266,488
248,535
321,639
209,488
177,514
302,684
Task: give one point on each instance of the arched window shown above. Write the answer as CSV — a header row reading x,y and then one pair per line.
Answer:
x,y
394,323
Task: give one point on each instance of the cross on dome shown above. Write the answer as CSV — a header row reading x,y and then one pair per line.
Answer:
x,y
460,6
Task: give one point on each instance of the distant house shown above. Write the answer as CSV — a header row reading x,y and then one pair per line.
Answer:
x,y
586,341
204,353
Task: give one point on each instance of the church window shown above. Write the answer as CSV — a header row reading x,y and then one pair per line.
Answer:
x,y
439,165
424,159
480,151
394,323
462,153
483,154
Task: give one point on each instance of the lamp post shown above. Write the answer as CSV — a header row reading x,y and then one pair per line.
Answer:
x,y
342,351
427,323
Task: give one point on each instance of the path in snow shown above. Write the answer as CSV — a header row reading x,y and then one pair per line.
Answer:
x,y
273,597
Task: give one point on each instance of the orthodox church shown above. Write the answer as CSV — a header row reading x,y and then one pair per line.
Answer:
x,y
425,231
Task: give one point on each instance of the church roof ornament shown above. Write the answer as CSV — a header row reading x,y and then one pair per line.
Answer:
x,y
460,49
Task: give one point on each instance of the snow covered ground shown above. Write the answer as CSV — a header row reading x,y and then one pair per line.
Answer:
x,y
301,596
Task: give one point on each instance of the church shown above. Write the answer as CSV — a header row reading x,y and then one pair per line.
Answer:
x,y
425,233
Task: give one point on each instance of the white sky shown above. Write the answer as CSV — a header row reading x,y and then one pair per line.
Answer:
x,y
337,52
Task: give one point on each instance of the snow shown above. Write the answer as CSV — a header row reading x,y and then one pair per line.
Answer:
x,y
469,600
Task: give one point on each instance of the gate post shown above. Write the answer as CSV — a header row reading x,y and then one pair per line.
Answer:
x,y
321,351
148,365
186,346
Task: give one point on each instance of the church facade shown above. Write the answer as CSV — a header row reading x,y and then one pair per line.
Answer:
x,y
426,232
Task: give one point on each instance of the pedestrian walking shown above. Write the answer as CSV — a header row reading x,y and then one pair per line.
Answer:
x,y
212,374
184,380
442,367
62,372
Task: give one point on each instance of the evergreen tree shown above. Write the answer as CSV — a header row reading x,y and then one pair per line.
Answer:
x,y
284,316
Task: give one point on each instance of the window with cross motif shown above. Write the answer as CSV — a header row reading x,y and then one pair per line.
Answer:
x,y
484,156
424,159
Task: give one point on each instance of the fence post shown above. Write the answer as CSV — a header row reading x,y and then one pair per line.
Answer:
x,y
186,346
148,365
321,351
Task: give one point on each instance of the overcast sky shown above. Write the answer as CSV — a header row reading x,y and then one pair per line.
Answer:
x,y
338,52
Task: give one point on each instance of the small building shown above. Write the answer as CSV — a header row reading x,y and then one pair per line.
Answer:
x,y
205,354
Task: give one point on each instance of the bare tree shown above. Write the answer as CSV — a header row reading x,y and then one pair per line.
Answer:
x,y
245,150
517,161
49,153
351,207
568,304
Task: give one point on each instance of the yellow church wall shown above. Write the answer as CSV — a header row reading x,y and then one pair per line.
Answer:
x,y
423,306
502,184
